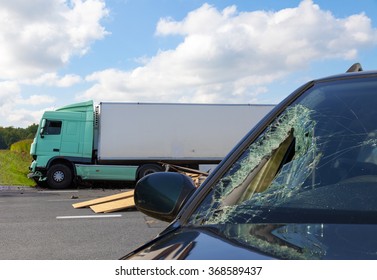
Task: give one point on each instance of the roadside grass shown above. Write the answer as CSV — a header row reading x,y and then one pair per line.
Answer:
x,y
14,165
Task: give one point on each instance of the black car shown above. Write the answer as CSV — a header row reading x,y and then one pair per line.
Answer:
x,y
301,185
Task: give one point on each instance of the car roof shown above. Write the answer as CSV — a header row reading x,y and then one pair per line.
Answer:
x,y
354,72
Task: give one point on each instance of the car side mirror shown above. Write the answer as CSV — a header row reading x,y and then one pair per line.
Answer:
x,y
161,195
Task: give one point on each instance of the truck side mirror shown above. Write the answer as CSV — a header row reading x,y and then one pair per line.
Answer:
x,y
42,130
161,195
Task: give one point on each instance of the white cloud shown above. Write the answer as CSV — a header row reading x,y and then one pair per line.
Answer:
x,y
9,92
42,35
37,38
37,100
11,100
14,115
23,117
52,79
231,56
224,56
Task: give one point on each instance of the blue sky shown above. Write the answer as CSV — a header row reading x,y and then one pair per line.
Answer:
x,y
55,52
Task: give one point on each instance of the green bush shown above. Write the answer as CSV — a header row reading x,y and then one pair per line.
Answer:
x,y
14,164
22,146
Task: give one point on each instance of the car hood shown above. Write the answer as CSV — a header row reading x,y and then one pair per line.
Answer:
x,y
263,241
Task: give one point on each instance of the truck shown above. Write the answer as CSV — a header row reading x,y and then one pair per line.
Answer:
x,y
122,141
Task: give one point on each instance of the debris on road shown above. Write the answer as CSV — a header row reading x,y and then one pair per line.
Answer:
x,y
125,200
196,175
108,204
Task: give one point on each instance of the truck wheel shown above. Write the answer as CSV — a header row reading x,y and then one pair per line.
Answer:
x,y
147,169
59,176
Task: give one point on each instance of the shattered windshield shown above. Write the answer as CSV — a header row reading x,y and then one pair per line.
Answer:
x,y
316,162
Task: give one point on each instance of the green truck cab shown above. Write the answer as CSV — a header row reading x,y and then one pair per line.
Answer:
x,y
63,149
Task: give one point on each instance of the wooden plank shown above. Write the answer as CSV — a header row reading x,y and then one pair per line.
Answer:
x,y
113,206
104,199
184,169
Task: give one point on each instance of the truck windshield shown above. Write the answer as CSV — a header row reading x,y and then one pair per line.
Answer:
x,y
316,163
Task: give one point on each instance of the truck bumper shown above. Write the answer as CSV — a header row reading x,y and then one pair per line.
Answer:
x,y
32,167
35,174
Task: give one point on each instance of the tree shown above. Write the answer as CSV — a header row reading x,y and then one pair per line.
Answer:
x,y
10,135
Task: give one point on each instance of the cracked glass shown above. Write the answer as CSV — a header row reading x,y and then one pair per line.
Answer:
x,y
316,163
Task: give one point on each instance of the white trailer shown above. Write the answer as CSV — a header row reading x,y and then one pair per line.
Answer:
x,y
172,133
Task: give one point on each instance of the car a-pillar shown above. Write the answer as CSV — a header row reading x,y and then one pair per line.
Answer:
x,y
59,175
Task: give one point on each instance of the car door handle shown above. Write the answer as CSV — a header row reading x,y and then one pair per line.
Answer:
x,y
56,150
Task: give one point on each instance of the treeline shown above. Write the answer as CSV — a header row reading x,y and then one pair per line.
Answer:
x,y
10,135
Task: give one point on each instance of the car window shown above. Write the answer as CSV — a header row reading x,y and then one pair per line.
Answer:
x,y
317,162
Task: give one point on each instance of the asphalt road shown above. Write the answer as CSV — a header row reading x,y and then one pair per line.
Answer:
x,y
41,224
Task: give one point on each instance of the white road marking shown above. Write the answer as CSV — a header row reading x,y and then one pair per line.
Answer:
x,y
88,216
65,199
58,191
